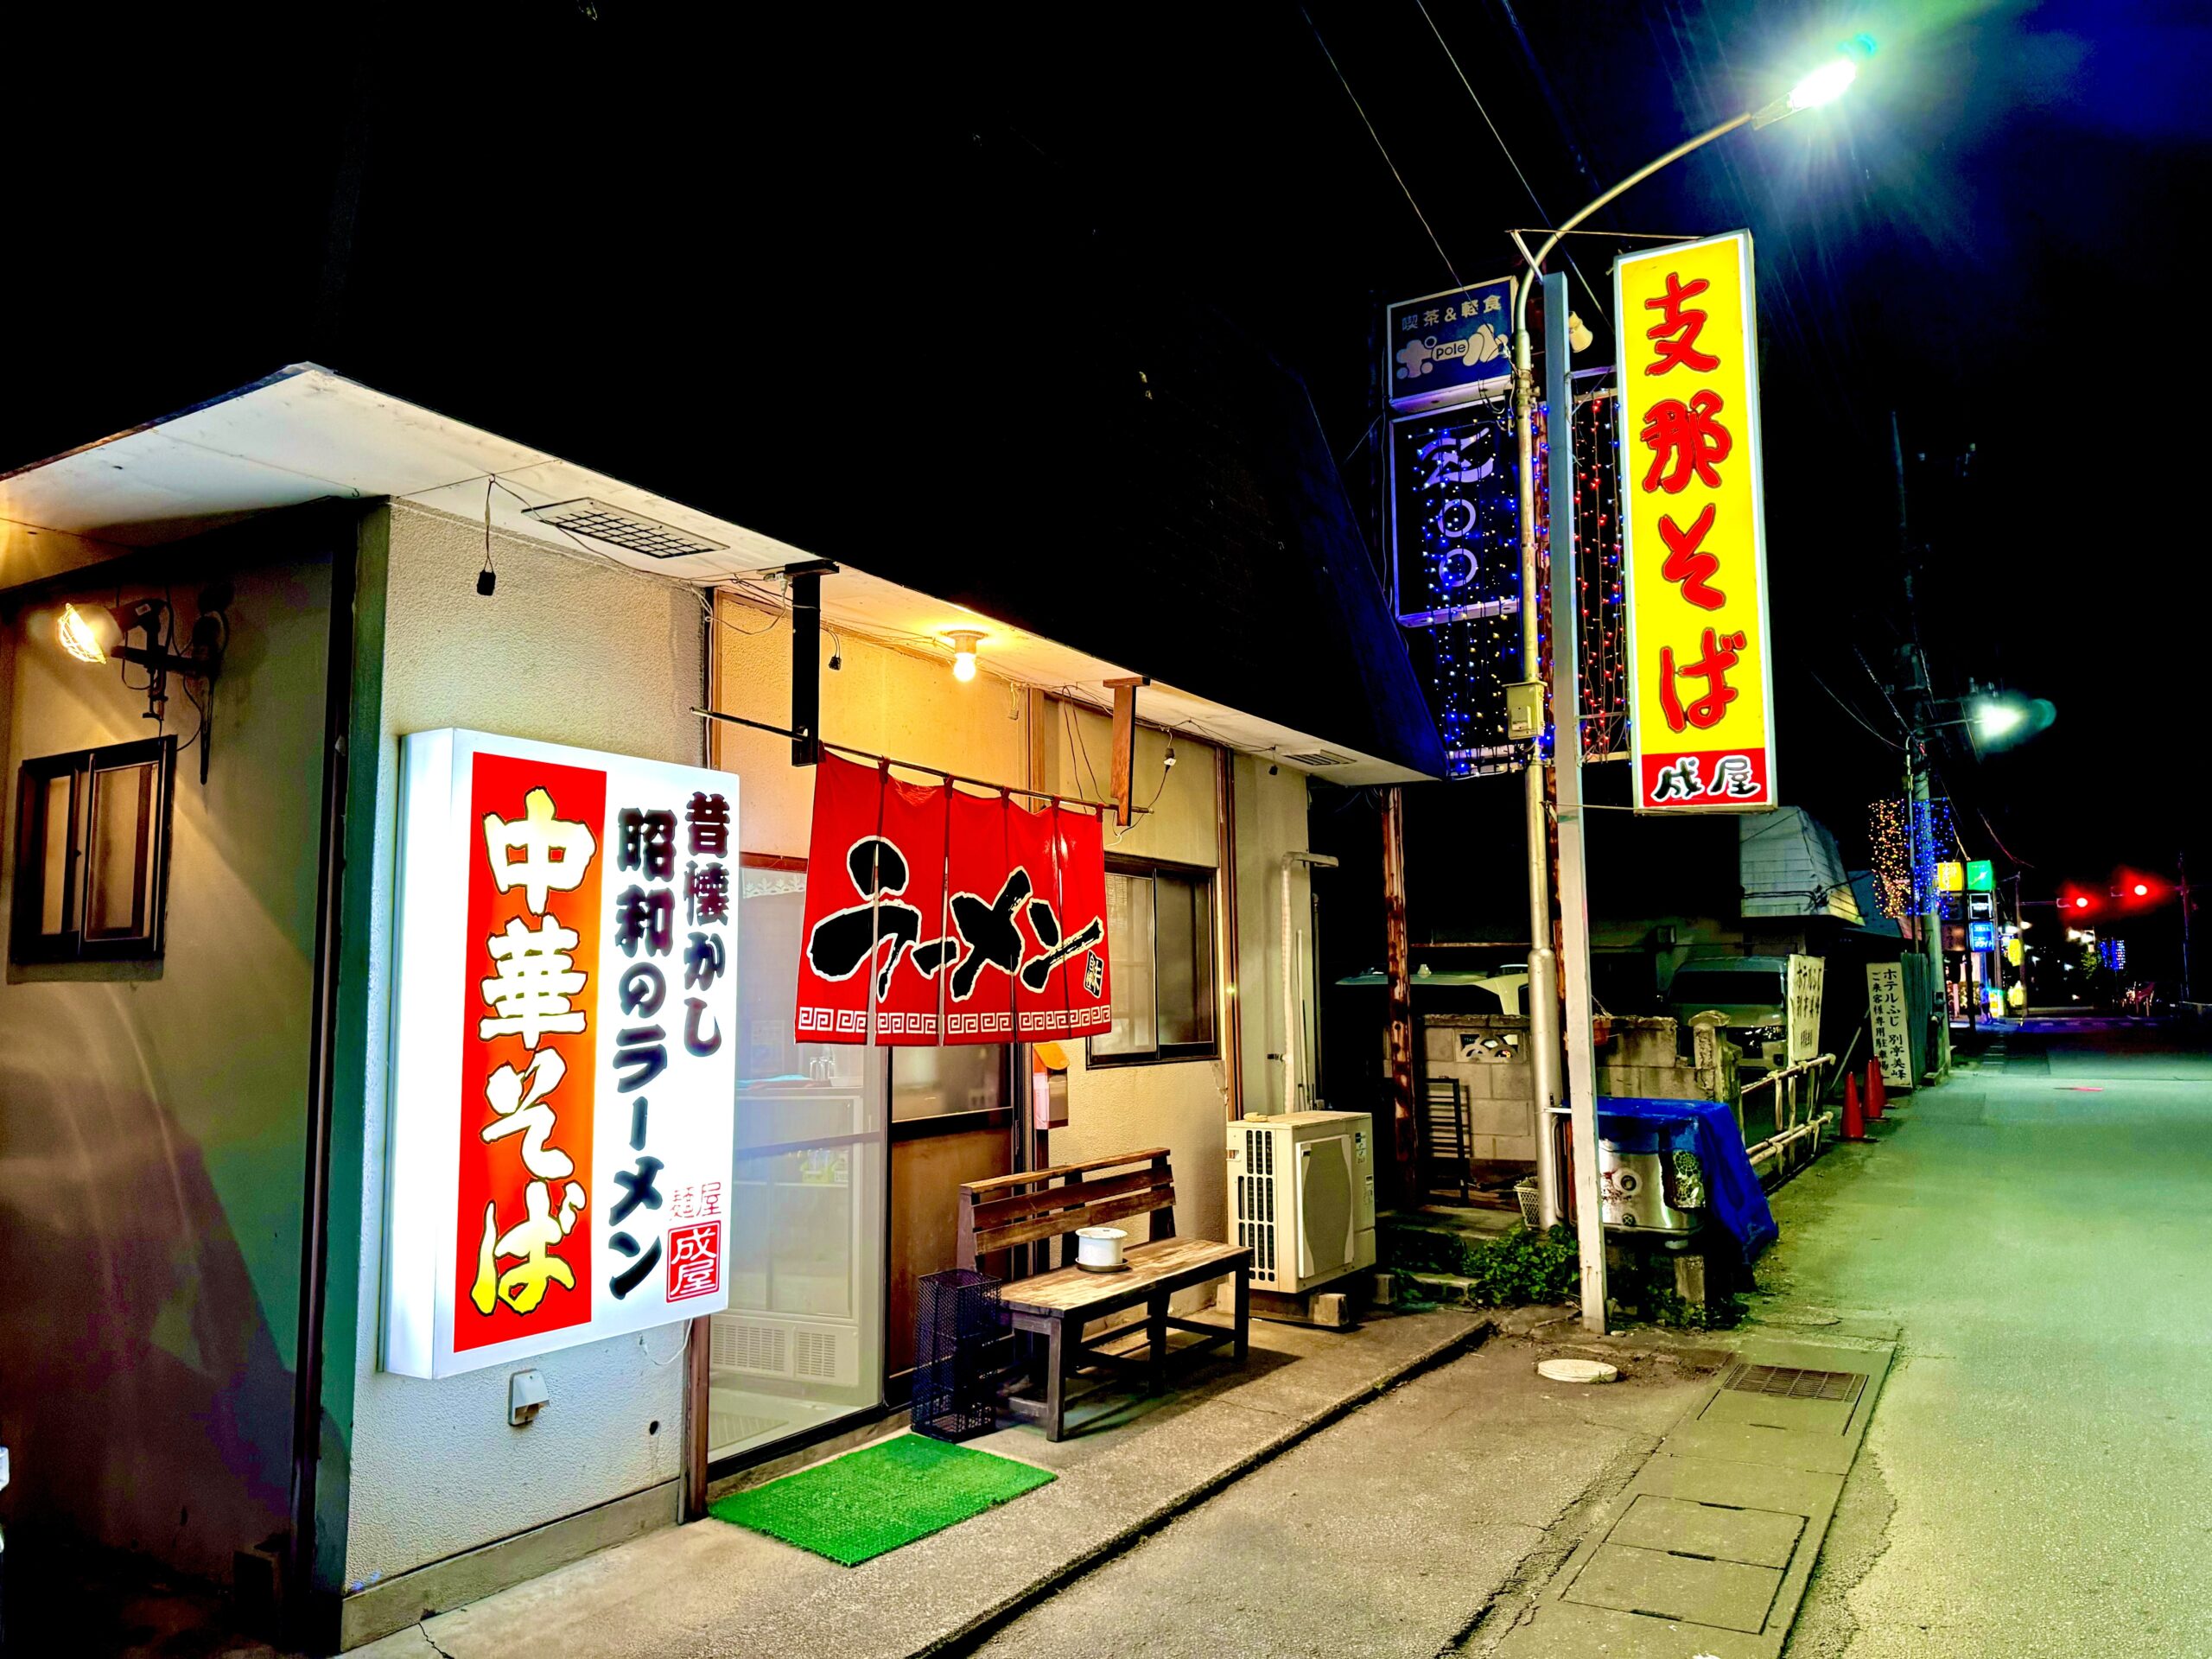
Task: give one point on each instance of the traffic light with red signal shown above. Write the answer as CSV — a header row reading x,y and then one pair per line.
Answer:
x,y
2137,890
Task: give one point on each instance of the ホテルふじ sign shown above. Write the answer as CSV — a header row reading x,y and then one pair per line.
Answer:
x,y
563,1062
1692,528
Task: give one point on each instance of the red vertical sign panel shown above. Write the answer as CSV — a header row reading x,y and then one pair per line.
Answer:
x,y
1040,995
529,1004
834,981
1083,916
911,919
983,898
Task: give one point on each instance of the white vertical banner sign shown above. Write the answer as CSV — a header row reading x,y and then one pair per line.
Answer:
x,y
564,1049
1885,1015
1808,975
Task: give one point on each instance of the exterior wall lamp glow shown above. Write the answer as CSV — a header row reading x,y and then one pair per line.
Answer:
x,y
964,641
198,659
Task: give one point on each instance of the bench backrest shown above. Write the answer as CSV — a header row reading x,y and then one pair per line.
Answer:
x,y
1008,1211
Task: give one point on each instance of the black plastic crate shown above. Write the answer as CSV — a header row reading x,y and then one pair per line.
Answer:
x,y
959,1327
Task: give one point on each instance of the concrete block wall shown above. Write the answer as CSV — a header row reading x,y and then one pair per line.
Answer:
x,y
1500,1097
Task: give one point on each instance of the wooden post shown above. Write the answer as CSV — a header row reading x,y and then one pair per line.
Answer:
x,y
1405,1148
698,1361
1125,730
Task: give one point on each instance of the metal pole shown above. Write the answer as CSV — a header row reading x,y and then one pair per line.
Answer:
x,y
1543,961
1931,923
1543,993
1404,1143
1567,771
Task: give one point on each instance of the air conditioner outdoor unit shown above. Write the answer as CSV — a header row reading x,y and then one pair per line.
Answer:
x,y
1302,1196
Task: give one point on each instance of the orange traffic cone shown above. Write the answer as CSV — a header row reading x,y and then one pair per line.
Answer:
x,y
1877,1097
1854,1125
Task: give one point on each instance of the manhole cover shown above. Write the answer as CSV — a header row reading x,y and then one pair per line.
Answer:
x,y
1788,1382
1578,1370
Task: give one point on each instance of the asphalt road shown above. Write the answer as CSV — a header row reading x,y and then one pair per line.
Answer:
x,y
2038,1475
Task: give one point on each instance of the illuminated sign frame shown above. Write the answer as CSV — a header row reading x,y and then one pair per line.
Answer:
x,y
1697,608
561,1125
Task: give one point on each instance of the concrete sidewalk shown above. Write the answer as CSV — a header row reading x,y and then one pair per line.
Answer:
x,y
1130,1467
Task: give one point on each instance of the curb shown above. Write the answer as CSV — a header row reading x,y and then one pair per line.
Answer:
x,y
973,1632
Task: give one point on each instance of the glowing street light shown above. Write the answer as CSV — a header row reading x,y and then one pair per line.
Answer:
x,y
1824,86
1996,719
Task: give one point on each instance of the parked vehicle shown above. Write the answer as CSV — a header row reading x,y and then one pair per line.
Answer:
x,y
1750,993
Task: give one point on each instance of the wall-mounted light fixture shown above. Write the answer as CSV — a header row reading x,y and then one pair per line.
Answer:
x,y
964,641
200,660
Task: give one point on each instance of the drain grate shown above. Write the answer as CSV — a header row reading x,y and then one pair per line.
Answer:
x,y
1788,1382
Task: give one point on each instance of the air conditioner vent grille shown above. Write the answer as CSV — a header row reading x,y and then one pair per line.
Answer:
x,y
1256,1204
1319,758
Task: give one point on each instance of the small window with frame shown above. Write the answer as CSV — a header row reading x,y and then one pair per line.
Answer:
x,y
91,853
1159,946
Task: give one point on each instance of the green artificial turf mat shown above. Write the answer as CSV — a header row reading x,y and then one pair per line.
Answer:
x,y
867,1501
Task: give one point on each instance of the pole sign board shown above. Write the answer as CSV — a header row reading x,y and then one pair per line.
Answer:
x,y
1981,935
1808,975
1885,1015
1950,876
1694,529
1444,348
1981,876
564,1049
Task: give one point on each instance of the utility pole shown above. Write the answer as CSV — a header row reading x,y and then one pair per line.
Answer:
x,y
1543,961
1918,820
2181,888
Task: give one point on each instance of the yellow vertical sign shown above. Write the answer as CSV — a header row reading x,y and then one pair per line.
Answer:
x,y
1693,529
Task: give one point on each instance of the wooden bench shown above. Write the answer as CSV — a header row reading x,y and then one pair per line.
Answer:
x,y
1011,1212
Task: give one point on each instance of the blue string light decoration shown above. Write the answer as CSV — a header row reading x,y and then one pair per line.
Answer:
x,y
1907,842
1456,535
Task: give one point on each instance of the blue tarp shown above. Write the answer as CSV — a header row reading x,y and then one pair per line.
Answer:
x,y
1706,1128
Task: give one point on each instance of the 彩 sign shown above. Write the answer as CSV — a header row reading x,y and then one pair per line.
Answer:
x,y
563,1067
1692,528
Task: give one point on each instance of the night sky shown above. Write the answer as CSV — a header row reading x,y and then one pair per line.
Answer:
x,y
664,218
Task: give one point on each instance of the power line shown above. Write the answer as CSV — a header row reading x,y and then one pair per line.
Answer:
x,y
1873,729
1451,58
1379,145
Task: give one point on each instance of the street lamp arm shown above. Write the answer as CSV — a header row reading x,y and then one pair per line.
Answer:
x,y
1536,264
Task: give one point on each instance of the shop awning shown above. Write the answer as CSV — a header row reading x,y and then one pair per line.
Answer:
x,y
307,433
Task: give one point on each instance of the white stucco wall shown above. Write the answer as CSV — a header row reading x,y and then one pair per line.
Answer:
x,y
1183,1105
569,650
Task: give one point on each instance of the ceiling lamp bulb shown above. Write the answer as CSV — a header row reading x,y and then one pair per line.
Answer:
x,y
964,641
78,637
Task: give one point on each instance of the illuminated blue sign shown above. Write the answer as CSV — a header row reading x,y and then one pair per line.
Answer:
x,y
1444,348
1981,935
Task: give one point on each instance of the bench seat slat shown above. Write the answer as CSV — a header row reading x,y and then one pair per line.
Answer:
x,y
1028,1232
995,1183
1066,1289
997,1212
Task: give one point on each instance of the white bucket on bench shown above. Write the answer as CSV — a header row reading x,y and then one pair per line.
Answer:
x,y
1099,1248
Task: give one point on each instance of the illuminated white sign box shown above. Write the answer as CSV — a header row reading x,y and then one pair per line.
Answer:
x,y
564,1048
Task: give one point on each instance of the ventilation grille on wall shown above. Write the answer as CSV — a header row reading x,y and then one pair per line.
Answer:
x,y
1318,758
632,531
1255,1204
741,1346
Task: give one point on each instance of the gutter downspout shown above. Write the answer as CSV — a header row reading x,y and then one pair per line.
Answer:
x,y
315,1203
1293,1042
